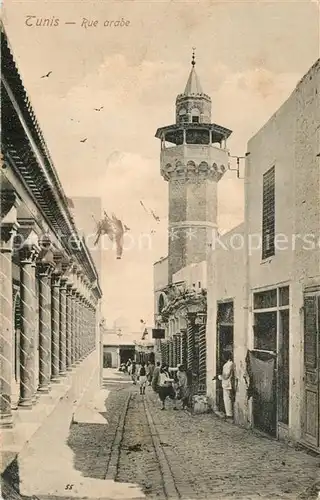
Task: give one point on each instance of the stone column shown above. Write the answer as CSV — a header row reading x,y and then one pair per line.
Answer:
x,y
202,319
190,341
184,348
7,232
69,316
55,318
83,328
44,270
78,328
73,325
87,329
91,327
63,328
174,350
80,341
27,254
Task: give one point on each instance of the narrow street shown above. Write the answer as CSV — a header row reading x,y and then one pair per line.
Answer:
x,y
138,451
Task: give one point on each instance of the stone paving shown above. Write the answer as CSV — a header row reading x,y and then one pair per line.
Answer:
x,y
208,458
211,458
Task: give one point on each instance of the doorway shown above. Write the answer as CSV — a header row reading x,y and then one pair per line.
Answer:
x,y
271,350
225,333
126,353
310,420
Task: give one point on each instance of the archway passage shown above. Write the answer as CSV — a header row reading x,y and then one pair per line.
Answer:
x,y
126,353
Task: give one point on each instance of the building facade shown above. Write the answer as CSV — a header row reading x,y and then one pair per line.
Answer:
x,y
194,157
50,293
255,290
264,278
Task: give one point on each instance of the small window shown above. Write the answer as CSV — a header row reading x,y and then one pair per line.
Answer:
x,y
195,119
199,284
268,214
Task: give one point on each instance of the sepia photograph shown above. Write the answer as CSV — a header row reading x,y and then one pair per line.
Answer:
x,y
160,250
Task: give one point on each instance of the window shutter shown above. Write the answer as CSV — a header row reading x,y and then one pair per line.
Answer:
x,y
310,331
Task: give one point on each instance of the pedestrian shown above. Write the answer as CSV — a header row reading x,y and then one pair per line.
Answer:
x,y
155,377
134,372
227,382
183,391
165,388
129,367
150,371
142,378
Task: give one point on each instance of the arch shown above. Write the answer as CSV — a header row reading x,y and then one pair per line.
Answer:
x,y
195,115
162,302
203,165
169,167
195,111
222,169
215,167
179,166
191,165
182,111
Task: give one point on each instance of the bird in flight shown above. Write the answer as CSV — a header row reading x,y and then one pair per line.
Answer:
x,y
83,140
143,206
149,211
156,217
47,75
98,109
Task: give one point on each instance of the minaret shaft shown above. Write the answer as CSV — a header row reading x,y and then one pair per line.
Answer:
x,y
194,157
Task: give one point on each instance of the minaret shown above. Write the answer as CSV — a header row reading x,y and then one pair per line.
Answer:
x,y
194,157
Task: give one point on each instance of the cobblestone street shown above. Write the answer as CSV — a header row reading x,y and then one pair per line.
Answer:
x,y
172,454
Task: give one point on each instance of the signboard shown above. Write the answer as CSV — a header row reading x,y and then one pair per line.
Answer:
x,y
158,333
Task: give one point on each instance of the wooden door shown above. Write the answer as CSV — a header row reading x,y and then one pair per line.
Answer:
x,y
310,423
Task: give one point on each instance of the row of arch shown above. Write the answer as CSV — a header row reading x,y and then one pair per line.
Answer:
x,y
191,165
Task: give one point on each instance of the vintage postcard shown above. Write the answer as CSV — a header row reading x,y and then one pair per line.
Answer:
x,y
160,249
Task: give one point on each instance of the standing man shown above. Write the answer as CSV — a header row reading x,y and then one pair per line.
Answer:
x,y
155,377
227,381
134,372
142,378
150,370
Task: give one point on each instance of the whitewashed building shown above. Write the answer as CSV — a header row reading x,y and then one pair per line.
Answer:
x,y
264,276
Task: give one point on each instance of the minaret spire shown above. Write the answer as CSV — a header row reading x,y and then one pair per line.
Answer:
x,y
193,62
193,86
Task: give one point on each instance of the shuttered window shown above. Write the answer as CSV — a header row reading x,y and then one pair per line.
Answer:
x,y
310,331
268,214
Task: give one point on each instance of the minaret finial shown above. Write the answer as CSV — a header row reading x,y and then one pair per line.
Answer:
x,y
193,62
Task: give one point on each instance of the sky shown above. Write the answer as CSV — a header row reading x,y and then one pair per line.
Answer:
x,y
250,55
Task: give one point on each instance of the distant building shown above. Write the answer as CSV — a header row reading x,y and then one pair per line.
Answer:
x,y
119,347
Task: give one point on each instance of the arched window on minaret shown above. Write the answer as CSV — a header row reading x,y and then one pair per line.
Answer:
x,y
183,117
195,115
